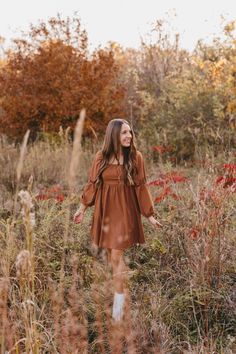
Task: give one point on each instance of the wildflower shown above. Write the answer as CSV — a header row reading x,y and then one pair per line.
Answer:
x,y
32,219
23,263
26,199
27,211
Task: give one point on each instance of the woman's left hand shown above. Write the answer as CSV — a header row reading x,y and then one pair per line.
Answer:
x,y
154,222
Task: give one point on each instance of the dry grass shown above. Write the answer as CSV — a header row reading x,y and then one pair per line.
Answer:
x,y
56,291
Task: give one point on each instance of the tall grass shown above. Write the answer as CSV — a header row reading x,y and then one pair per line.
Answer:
x,y
56,289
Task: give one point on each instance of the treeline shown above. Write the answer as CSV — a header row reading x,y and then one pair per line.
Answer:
x,y
175,99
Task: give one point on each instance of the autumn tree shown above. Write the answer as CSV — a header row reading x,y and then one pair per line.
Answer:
x,y
196,106
49,76
184,101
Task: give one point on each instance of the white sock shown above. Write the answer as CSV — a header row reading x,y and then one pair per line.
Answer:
x,y
117,311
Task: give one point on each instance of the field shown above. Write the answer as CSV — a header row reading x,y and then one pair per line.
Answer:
x,y
56,289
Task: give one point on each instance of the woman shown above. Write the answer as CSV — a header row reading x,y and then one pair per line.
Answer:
x,y
117,188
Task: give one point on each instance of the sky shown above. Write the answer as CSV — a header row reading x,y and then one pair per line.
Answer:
x,y
122,21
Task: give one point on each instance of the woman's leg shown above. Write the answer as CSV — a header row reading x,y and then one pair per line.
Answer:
x,y
118,269
119,272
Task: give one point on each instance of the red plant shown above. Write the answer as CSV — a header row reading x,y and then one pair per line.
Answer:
x,y
166,191
54,192
229,179
209,195
165,180
161,149
227,182
157,182
194,233
230,167
60,197
176,178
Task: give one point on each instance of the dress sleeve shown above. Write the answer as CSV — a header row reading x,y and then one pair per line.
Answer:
x,y
142,192
89,191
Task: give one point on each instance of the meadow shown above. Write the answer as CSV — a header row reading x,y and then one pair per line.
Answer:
x,y
56,288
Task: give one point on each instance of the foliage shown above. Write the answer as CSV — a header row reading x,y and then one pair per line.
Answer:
x,y
49,77
172,97
181,99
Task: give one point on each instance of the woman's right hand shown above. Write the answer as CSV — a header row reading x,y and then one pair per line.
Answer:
x,y
154,222
79,215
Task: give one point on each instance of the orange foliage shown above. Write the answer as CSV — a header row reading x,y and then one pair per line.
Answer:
x,y
49,78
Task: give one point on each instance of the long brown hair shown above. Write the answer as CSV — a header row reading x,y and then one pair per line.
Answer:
x,y
112,146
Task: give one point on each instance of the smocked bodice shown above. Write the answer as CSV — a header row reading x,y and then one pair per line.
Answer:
x,y
114,181
114,174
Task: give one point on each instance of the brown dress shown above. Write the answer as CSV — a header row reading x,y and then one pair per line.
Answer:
x,y
118,207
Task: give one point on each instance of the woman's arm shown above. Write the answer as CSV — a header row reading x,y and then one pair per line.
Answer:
x,y
145,202
89,191
79,214
154,222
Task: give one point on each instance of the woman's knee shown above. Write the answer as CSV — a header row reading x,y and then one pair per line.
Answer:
x,y
116,257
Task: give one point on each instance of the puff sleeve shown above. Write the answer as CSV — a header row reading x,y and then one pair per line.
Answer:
x,y
142,192
89,191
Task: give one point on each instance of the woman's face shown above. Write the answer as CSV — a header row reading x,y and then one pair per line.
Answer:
x,y
125,135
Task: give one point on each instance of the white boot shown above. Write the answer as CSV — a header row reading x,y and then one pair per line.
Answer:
x,y
118,304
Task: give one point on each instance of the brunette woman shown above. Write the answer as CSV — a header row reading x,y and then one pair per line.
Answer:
x,y
117,189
